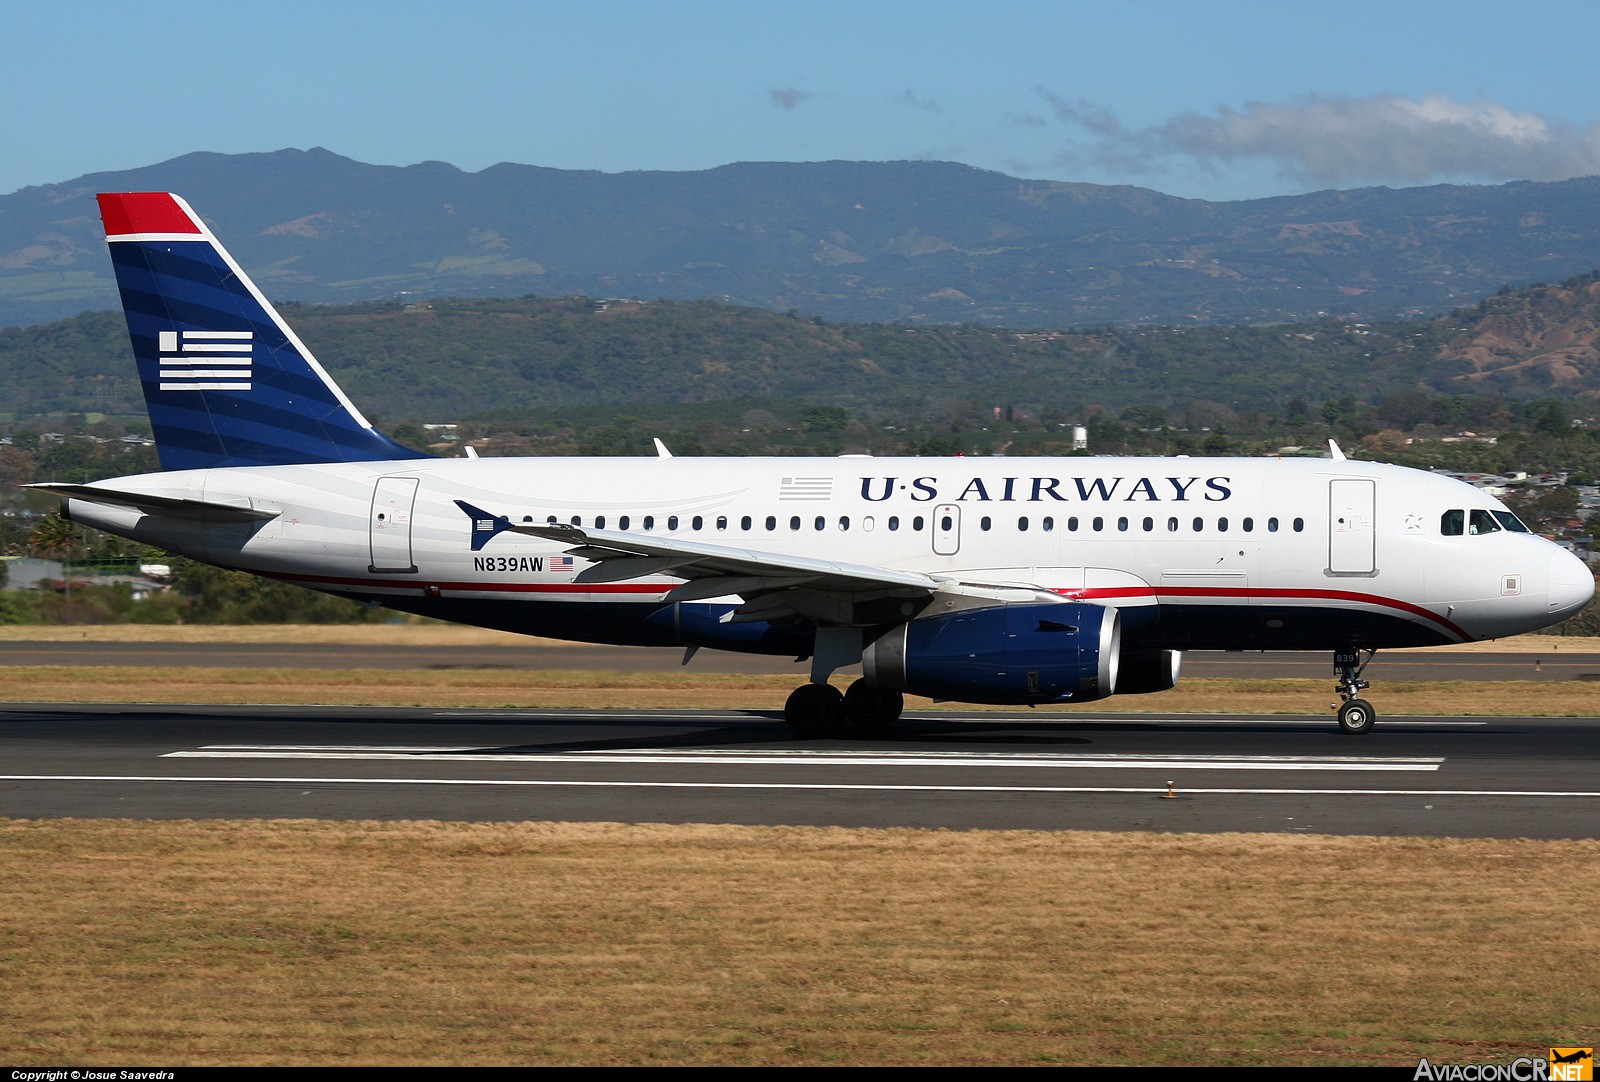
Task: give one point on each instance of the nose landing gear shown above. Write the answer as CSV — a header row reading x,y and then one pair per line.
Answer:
x,y
1356,715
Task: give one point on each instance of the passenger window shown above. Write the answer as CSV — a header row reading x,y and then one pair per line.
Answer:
x,y
1199,525
984,523
1248,525
1149,524
649,522
697,522
794,522
744,524
821,523
599,522
722,522
916,524
622,523
1222,525
894,522
1048,524
1098,524
1022,524
844,522
1299,525
772,523
1172,525
672,522
1272,525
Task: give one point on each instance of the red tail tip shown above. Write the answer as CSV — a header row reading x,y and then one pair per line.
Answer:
x,y
144,212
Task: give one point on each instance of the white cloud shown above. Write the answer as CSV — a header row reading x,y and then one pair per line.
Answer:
x,y
1341,142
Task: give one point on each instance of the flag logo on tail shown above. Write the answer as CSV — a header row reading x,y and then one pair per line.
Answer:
x,y
206,360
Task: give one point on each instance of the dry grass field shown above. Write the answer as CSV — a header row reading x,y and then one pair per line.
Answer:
x,y
531,943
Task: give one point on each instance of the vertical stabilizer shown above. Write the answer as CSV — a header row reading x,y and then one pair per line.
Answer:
x,y
226,382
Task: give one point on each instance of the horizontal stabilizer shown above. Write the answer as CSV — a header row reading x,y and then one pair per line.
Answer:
x,y
168,506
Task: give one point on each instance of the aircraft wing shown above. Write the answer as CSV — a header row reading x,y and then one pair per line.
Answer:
x,y
773,585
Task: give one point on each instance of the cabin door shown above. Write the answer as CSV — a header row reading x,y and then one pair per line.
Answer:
x,y
1351,537
393,499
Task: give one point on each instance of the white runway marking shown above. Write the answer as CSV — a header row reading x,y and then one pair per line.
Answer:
x,y
532,783
661,757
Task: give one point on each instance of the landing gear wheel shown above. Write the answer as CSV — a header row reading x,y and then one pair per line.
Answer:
x,y
814,711
1356,717
873,710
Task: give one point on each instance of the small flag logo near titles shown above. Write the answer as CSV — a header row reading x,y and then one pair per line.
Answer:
x,y
205,360
561,563
805,489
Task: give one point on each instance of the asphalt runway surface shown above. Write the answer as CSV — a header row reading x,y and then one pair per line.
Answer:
x,y
1459,777
1575,664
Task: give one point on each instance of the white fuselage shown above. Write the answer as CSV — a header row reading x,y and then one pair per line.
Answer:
x,y
1197,553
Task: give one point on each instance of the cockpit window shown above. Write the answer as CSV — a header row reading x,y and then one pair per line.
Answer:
x,y
1454,523
1481,522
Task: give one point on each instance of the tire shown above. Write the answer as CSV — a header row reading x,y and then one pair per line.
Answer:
x,y
814,711
872,709
1356,717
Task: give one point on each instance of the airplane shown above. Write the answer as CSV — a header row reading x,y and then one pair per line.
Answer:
x,y
1027,581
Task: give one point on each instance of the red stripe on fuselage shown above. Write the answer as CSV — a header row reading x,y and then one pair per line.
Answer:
x,y
1107,594
1161,593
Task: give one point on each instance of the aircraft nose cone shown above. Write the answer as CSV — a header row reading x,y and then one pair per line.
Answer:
x,y
1571,584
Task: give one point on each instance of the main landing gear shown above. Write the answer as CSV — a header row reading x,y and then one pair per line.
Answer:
x,y
819,710
1356,714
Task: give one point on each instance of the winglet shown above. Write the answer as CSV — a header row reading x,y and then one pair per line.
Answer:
x,y
1334,451
485,524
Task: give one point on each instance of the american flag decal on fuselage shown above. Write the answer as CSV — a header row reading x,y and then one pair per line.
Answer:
x,y
205,360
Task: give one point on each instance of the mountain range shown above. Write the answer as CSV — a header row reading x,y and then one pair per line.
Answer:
x,y
929,242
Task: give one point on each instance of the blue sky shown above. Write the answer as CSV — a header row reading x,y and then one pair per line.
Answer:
x,y
1220,99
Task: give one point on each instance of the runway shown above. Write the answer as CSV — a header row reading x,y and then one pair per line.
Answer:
x,y
1578,662
1460,777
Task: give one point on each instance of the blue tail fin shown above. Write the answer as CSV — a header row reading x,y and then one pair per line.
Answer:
x,y
226,382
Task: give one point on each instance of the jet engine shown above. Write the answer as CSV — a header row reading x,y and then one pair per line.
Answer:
x,y
1002,654
1142,671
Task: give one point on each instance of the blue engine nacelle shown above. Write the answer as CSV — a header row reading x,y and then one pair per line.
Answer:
x,y
1004,654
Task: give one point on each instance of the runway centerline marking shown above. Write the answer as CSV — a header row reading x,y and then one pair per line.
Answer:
x,y
797,757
